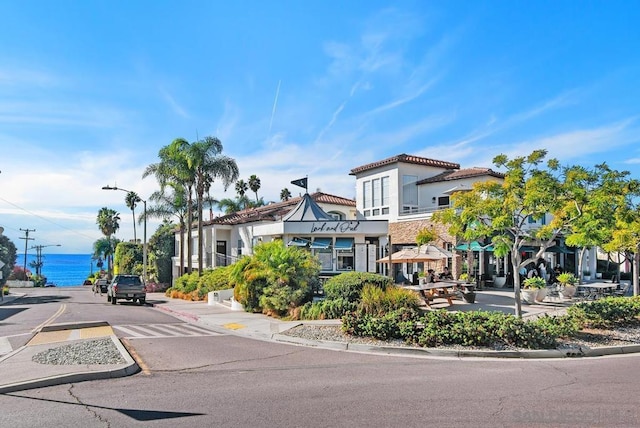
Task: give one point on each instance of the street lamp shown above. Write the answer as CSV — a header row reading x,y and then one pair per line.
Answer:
x,y
144,238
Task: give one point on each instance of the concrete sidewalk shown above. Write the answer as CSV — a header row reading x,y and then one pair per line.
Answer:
x,y
21,372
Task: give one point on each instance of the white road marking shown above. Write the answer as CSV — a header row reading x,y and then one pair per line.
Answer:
x,y
138,331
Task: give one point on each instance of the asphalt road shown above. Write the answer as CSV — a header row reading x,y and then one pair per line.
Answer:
x,y
224,380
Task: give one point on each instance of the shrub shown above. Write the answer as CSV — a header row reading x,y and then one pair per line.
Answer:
x,y
558,326
605,312
275,279
397,324
567,278
534,282
377,301
187,282
441,328
349,285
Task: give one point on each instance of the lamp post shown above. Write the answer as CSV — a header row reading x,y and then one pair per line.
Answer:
x,y
144,237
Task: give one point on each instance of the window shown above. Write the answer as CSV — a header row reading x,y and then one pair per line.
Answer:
x,y
344,253
443,201
336,215
409,193
385,192
366,194
542,220
377,193
240,245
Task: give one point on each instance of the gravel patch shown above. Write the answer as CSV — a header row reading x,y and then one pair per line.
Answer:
x,y
99,351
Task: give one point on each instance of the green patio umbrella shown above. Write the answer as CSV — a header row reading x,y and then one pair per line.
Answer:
x,y
473,246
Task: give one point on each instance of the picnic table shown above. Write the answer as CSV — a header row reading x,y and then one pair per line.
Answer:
x,y
595,290
436,290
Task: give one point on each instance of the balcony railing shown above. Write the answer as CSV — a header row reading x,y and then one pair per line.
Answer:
x,y
406,211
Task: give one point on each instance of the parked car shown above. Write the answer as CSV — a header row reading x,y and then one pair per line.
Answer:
x,y
129,287
49,284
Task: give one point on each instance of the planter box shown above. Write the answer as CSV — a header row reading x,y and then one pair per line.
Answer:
x,y
568,291
529,295
499,281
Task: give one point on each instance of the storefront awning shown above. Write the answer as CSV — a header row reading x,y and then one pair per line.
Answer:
x,y
321,243
344,243
297,242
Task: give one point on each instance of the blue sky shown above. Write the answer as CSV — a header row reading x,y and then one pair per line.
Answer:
x,y
91,90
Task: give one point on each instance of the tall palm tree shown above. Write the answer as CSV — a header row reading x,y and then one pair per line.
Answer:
x,y
108,222
206,164
166,205
173,170
132,199
254,185
285,194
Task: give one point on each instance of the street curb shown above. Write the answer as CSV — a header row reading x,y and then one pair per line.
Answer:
x,y
176,313
11,297
429,352
130,368
462,353
73,325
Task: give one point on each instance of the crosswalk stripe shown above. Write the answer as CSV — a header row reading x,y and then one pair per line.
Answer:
x,y
5,346
163,330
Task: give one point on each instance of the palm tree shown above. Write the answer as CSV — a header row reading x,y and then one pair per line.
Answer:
x,y
108,222
206,164
285,194
132,199
169,205
241,187
173,170
254,185
230,206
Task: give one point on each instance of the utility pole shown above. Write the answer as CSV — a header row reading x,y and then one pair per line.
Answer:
x,y
26,245
39,263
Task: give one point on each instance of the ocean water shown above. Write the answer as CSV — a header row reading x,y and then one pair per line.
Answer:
x,y
64,270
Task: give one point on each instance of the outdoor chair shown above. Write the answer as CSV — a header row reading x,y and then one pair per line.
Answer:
x,y
553,291
585,294
621,292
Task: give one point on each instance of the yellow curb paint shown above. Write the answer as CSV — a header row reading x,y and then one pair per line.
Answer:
x,y
73,334
50,337
87,333
234,326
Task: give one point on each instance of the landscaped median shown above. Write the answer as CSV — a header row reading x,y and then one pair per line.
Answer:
x,y
369,310
605,327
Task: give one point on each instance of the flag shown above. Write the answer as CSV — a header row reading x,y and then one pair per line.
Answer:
x,y
302,182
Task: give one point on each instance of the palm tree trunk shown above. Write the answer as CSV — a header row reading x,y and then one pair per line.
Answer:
x,y
200,237
133,213
189,233
181,250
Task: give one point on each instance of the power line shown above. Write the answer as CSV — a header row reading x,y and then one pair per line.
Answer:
x,y
47,220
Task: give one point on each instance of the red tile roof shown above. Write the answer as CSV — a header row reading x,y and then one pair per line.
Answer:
x,y
276,210
460,174
404,158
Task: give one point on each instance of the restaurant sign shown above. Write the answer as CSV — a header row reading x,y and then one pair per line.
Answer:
x,y
335,226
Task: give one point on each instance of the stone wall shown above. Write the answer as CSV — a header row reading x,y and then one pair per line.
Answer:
x,y
404,234
19,284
